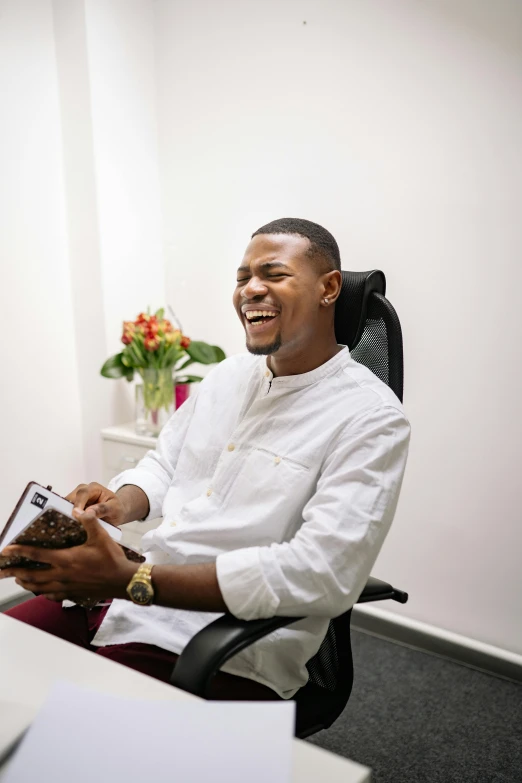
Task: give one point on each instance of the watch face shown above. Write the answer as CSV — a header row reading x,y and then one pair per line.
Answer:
x,y
141,593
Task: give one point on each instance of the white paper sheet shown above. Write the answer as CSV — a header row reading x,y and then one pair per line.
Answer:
x,y
90,737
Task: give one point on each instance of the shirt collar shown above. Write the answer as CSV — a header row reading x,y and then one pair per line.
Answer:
x,y
307,378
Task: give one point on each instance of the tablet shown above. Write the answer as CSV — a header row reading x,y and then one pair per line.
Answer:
x,y
44,519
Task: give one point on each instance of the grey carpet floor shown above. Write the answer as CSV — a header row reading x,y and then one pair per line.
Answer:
x,y
416,718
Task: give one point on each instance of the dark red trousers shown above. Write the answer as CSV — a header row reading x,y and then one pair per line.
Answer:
x,y
79,626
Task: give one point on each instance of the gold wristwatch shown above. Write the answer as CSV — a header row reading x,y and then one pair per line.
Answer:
x,y
140,589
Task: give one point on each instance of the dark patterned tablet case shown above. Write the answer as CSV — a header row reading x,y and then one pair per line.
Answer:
x,y
51,530
54,530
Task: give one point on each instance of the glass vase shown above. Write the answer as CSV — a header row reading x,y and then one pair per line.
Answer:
x,y
158,398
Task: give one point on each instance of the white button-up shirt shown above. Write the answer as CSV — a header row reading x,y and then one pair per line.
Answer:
x,y
290,485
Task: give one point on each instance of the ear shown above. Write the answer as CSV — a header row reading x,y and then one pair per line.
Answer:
x,y
331,286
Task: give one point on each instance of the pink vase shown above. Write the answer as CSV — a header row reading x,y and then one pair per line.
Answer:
x,y
181,393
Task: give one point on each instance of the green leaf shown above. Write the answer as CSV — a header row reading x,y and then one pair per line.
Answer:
x,y
186,364
114,368
220,353
189,379
160,313
203,353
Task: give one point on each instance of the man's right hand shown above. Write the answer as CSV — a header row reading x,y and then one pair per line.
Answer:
x,y
101,501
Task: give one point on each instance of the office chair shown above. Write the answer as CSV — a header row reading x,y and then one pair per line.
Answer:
x,y
367,323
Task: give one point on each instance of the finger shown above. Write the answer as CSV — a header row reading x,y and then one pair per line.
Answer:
x,y
59,597
71,497
87,494
49,556
99,510
30,575
92,527
34,587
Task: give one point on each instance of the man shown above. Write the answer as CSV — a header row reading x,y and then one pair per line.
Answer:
x,y
277,483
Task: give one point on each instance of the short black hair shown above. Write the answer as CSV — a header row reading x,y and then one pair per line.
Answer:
x,y
323,246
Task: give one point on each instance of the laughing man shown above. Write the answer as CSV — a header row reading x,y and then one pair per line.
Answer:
x,y
276,483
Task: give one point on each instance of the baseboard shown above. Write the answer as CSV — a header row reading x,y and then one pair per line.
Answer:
x,y
437,641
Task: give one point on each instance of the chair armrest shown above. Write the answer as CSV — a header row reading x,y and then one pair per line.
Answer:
x,y
375,590
218,641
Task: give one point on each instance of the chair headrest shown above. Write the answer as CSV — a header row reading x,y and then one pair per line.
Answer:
x,y
351,306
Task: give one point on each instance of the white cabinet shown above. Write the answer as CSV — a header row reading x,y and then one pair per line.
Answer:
x,y
123,449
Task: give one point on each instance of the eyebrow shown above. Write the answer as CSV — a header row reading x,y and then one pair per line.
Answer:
x,y
265,267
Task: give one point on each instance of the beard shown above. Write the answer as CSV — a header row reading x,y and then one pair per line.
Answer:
x,y
265,350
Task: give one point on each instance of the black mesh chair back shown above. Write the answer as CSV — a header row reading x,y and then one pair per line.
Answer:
x,y
367,323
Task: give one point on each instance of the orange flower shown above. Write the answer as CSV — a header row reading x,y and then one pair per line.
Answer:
x,y
128,332
143,318
151,344
172,337
185,341
166,326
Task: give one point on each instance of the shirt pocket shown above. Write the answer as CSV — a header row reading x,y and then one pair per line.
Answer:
x,y
268,494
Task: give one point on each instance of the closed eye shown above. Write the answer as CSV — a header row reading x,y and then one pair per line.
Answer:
x,y
246,279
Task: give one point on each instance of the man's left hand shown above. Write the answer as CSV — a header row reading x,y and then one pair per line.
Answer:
x,y
97,569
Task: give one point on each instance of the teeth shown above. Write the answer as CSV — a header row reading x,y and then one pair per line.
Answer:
x,y
259,314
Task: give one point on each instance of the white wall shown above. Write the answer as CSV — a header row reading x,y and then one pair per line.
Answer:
x,y
397,125
82,220
121,62
80,246
39,399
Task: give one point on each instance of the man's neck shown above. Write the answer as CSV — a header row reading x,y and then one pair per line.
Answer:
x,y
302,362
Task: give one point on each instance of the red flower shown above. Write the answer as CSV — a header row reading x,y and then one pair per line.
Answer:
x,y
152,328
185,341
143,318
151,344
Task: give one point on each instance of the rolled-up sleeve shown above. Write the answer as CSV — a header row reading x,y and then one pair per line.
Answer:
x,y
154,473
324,568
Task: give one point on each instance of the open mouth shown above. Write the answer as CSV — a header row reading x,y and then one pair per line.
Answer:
x,y
257,319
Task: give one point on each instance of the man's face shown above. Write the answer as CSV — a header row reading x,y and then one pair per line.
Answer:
x,y
277,296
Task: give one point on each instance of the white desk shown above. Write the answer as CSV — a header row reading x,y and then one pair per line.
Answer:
x,y
30,660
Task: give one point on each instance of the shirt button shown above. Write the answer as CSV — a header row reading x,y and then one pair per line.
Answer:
x,y
209,492
277,460
173,524
231,447
267,374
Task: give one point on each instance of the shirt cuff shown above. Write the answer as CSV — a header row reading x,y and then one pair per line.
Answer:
x,y
151,485
243,585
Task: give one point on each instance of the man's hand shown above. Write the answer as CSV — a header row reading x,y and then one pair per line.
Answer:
x,y
97,569
101,501
126,505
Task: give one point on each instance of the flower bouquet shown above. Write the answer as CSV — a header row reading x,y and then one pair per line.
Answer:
x,y
158,352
